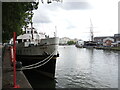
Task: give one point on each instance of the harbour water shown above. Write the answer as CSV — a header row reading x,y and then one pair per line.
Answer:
x,y
81,68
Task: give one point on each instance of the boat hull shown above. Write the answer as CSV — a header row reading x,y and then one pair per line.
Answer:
x,y
36,53
78,46
47,69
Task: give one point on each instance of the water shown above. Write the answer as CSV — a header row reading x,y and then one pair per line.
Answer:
x,y
82,68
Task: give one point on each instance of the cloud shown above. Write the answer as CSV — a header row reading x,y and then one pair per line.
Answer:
x,y
54,6
72,17
42,19
41,15
76,5
70,27
46,11
70,5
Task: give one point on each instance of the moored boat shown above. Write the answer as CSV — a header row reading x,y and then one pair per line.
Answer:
x,y
37,51
90,44
79,44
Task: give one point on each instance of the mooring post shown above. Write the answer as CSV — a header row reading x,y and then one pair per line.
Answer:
x,y
11,54
14,61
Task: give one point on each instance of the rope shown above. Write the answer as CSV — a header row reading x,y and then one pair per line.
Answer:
x,y
40,61
24,68
38,65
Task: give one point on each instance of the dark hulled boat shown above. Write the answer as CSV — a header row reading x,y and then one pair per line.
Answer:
x,y
38,52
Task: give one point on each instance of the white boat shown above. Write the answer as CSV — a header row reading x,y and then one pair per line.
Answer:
x,y
34,47
79,43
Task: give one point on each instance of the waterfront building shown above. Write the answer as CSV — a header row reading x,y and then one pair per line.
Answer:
x,y
64,40
117,37
108,41
99,40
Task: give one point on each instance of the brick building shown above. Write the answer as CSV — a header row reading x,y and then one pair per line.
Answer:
x,y
108,39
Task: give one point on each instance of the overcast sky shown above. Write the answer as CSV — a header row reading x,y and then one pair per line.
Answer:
x,y
72,18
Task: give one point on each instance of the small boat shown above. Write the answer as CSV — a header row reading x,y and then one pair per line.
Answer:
x,y
37,51
79,44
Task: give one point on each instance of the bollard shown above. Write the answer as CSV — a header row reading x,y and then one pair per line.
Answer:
x,y
14,60
18,65
11,54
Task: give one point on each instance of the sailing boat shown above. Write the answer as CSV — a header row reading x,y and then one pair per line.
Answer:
x,y
91,43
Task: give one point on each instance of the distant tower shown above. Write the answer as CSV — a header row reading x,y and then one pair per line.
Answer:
x,y
91,31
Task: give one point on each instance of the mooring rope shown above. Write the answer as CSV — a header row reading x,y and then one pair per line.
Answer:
x,y
33,65
40,61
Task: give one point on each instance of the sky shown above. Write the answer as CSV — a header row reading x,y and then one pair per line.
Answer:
x,y
71,18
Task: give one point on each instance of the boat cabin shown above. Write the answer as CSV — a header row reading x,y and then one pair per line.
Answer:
x,y
30,37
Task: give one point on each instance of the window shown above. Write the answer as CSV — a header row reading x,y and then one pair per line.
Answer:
x,y
27,31
19,40
25,40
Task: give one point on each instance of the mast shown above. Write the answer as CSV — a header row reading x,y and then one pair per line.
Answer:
x,y
91,30
32,26
55,33
32,30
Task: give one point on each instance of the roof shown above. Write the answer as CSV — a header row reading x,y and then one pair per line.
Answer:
x,y
103,37
28,36
24,36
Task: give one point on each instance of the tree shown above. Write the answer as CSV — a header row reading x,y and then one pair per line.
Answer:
x,y
15,16
70,42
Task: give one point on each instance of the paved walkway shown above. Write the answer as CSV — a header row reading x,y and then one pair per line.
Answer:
x,y
7,74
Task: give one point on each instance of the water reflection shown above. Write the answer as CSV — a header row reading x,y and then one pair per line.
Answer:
x,y
80,67
38,80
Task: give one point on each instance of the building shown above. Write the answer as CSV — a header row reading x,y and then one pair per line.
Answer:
x,y
108,41
64,40
99,40
117,37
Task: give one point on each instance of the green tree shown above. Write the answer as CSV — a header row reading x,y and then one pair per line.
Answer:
x,y
15,16
70,42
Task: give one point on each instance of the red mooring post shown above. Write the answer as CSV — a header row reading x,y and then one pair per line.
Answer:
x,y
14,60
